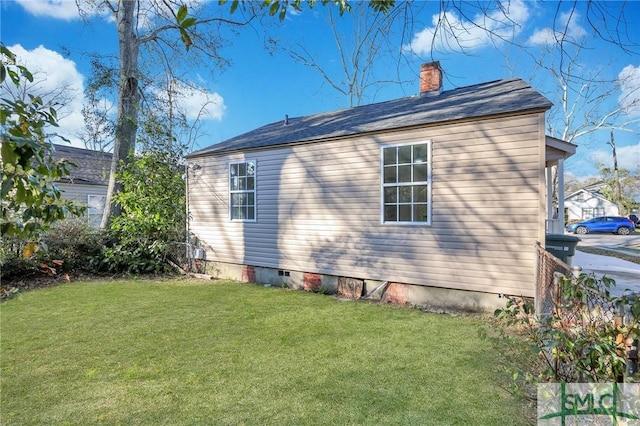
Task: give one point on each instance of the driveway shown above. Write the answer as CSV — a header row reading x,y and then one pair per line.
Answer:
x,y
626,274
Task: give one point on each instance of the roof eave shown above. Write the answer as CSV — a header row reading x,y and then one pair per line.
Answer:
x,y
212,152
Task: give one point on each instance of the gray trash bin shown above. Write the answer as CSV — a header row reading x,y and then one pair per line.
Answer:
x,y
561,246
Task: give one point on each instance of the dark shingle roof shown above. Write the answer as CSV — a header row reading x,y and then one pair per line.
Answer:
x,y
92,166
496,97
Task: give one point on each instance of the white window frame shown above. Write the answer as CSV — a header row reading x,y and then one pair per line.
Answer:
x,y
98,212
591,212
243,191
413,183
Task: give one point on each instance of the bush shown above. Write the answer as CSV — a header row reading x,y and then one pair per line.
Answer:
x,y
69,245
585,336
76,243
136,255
152,215
12,262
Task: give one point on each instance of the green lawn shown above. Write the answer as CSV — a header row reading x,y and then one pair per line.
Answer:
x,y
196,352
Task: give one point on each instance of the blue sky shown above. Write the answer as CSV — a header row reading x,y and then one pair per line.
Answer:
x,y
260,87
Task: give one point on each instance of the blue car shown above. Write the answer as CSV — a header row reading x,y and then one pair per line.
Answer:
x,y
613,224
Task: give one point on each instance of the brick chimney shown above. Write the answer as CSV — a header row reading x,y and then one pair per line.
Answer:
x,y
430,78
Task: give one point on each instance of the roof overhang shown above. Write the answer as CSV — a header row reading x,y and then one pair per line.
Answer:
x,y
557,149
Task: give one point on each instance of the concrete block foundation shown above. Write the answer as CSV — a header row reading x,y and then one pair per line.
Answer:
x,y
435,298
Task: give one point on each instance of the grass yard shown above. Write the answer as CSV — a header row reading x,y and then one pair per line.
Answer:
x,y
613,253
184,352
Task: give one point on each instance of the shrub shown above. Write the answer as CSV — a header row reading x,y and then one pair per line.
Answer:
x,y
152,215
12,261
585,336
76,243
69,245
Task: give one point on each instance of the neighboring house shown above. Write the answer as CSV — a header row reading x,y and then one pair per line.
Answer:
x,y
437,198
87,184
587,203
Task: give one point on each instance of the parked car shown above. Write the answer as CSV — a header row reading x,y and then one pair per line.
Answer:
x,y
615,224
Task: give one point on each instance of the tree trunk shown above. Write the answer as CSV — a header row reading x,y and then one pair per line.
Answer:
x,y
128,103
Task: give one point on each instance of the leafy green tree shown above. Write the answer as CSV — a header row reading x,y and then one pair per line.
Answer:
x,y
629,185
152,214
168,25
31,201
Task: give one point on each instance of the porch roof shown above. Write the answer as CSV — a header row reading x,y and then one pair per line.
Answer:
x,y
557,149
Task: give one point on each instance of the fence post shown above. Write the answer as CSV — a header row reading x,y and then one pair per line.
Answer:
x,y
631,345
538,294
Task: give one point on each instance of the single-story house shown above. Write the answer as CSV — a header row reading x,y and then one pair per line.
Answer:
x,y
87,184
589,202
437,198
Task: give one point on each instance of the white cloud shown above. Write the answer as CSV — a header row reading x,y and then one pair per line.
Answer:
x,y
568,28
197,102
629,80
59,9
628,157
56,80
68,9
451,33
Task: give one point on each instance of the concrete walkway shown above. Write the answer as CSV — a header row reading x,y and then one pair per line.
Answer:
x,y
626,274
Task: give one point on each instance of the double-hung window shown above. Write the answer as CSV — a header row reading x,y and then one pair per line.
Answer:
x,y
95,208
406,184
242,191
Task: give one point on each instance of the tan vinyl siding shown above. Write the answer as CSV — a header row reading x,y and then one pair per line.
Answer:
x,y
318,208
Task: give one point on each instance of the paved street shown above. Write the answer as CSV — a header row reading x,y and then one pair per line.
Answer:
x,y
610,240
626,274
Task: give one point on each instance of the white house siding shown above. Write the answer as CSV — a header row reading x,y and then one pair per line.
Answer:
x,y
318,208
586,205
79,193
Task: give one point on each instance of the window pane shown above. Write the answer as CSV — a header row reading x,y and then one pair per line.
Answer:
x,y
251,213
242,186
405,194
242,169
390,213
405,213
235,213
250,199
420,194
404,173
420,213
390,174
96,202
389,156
234,170
234,183
251,183
404,154
420,172
420,153
391,195
250,169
